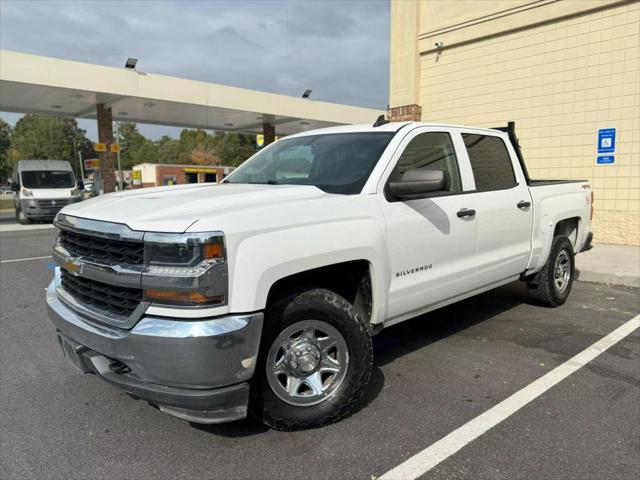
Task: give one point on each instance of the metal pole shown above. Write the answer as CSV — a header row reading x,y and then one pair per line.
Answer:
x,y
119,165
81,166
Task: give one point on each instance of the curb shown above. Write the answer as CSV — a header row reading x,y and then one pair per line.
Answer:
x,y
608,278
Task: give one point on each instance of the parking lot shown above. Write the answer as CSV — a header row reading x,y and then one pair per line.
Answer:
x,y
432,375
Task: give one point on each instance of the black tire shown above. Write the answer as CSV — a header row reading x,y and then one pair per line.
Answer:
x,y
22,219
325,306
542,286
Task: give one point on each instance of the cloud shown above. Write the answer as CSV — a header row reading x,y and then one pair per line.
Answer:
x,y
340,49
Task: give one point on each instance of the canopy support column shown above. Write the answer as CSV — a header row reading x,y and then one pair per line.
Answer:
x,y
269,132
105,135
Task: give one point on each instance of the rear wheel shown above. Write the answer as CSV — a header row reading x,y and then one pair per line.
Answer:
x,y
314,364
551,285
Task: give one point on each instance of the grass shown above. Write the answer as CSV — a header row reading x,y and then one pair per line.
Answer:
x,y
6,203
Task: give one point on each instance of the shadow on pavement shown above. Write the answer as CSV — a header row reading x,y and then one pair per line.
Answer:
x,y
406,337
417,333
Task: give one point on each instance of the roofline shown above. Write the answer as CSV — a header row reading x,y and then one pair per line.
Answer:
x,y
108,82
391,127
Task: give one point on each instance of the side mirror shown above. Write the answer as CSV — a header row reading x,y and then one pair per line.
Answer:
x,y
417,182
15,187
80,185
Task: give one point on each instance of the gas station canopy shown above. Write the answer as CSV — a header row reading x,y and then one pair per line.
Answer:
x,y
51,86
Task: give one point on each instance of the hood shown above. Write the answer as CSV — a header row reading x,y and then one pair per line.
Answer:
x,y
173,209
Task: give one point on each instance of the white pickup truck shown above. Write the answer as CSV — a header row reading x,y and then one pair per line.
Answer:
x,y
261,294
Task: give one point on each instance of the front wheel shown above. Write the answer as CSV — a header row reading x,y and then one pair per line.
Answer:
x,y
314,364
22,218
551,285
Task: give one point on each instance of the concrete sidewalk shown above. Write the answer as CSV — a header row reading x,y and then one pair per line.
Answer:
x,y
610,264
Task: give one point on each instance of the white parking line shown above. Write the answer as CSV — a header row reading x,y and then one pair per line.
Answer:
x,y
24,259
431,456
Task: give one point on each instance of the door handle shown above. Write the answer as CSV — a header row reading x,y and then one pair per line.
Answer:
x,y
524,204
466,212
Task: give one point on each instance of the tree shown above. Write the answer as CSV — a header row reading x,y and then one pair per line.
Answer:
x,y
168,149
147,152
202,155
234,148
5,144
48,138
44,138
195,145
131,141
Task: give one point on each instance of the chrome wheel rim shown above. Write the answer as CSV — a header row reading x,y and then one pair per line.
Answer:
x,y
562,271
307,363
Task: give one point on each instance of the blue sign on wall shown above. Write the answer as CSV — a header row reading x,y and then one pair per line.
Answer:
x,y
606,140
606,159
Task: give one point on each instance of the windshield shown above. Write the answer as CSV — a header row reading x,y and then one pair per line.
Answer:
x,y
335,163
48,179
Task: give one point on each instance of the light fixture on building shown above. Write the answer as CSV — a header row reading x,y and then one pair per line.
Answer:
x,y
307,93
131,63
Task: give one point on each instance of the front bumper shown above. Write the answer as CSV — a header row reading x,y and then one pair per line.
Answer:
x,y
39,209
196,370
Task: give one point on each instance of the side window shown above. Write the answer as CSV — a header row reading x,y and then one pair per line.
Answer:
x,y
490,162
432,150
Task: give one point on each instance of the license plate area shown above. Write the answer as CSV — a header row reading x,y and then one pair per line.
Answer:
x,y
73,352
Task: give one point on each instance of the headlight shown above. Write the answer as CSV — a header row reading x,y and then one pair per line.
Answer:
x,y
185,269
183,250
26,192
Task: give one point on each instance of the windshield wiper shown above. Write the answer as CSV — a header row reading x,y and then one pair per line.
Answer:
x,y
268,182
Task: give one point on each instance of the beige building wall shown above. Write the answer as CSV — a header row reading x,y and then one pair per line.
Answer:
x,y
562,70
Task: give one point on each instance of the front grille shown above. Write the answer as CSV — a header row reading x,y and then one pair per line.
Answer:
x,y
53,203
102,250
108,298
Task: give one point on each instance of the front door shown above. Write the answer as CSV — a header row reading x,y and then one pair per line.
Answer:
x,y
431,247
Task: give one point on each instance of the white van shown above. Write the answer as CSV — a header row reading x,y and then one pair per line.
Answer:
x,y
42,188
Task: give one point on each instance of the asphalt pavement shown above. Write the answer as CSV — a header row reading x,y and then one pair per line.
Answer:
x,y
432,375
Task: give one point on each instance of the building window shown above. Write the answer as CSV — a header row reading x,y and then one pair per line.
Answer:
x,y
490,162
168,180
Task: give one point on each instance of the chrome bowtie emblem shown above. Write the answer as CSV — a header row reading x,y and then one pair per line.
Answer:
x,y
73,268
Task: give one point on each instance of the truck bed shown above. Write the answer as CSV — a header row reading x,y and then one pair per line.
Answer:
x,y
540,183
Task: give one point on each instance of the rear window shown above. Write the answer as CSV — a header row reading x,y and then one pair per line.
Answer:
x,y
490,162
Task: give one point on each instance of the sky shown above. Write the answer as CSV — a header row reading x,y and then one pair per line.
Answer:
x,y
339,49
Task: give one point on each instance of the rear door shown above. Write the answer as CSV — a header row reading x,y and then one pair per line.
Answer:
x,y
504,212
431,248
